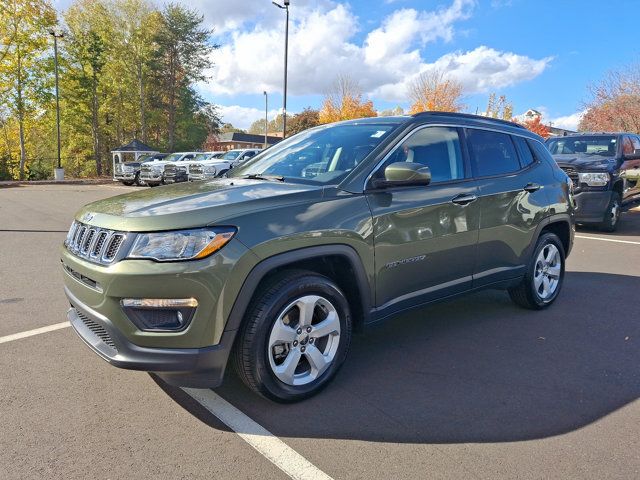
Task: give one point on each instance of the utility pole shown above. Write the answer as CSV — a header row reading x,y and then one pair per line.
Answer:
x,y
286,55
59,174
266,118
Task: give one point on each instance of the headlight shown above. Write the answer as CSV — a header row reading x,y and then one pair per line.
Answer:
x,y
594,179
210,169
180,244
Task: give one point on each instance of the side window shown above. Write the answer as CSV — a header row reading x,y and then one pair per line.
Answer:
x,y
627,146
636,142
436,147
526,157
492,153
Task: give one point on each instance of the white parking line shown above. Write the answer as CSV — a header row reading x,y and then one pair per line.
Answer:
x,y
35,331
608,239
265,442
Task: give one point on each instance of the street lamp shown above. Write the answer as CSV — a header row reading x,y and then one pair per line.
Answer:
x,y
266,117
286,54
59,174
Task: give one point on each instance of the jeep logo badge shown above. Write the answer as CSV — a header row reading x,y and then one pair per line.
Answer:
x,y
87,217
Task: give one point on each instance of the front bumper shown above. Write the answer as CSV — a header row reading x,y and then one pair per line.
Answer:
x,y
125,176
151,179
194,177
178,178
591,205
183,367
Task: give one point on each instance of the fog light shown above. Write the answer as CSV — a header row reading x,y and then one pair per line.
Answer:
x,y
160,315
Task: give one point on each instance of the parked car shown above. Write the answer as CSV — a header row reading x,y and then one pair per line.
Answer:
x,y
601,166
129,172
274,266
153,173
208,165
238,156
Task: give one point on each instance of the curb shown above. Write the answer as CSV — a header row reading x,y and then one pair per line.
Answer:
x,y
18,183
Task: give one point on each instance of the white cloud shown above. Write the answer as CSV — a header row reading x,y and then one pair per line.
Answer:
x,y
322,46
243,117
570,122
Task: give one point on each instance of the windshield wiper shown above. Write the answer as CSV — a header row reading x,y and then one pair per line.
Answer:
x,y
259,176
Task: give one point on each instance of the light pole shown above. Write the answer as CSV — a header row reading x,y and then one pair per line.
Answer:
x,y
266,117
59,174
286,55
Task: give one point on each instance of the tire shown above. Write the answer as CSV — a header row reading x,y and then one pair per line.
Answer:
x,y
612,214
128,184
260,359
528,293
136,180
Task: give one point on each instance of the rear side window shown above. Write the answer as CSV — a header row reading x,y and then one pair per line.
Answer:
x,y
541,152
526,157
492,153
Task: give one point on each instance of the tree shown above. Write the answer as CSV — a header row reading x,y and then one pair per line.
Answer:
x,y
88,51
536,126
25,69
499,107
615,102
434,91
181,58
344,101
229,128
391,112
308,118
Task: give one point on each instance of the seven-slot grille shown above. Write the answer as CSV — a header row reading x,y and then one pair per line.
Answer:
x,y
98,245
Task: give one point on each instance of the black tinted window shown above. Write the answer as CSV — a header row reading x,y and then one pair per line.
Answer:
x,y
540,151
436,147
526,157
492,153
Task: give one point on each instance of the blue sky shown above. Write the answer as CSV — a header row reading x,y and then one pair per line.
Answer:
x,y
540,54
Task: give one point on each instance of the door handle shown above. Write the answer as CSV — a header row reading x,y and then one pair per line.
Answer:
x,y
464,199
531,187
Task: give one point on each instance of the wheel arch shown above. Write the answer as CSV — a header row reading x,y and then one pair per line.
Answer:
x,y
339,262
560,225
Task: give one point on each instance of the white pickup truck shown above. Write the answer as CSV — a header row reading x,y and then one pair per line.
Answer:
x,y
217,163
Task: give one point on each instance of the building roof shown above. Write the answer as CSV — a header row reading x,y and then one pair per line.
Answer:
x,y
134,145
246,137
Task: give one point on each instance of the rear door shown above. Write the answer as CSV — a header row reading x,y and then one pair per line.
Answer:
x,y
425,236
630,169
512,202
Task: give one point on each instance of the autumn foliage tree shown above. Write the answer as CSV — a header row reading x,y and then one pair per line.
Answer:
x,y
344,101
308,118
615,102
499,107
434,91
536,126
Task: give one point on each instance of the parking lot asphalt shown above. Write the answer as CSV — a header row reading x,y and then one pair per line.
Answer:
x,y
470,388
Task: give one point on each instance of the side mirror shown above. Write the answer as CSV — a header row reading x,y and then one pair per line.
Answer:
x,y
404,174
633,156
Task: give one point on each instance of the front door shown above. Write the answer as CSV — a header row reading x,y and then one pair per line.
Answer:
x,y
425,237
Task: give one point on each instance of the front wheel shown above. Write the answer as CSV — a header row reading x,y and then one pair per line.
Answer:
x,y
543,279
295,337
612,214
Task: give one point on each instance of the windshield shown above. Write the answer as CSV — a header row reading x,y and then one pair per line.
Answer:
x,y
174,157
144,158
324,154
231,155
591,145
201,157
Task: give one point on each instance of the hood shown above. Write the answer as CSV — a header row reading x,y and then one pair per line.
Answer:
x,y
189,205
131,164
586,162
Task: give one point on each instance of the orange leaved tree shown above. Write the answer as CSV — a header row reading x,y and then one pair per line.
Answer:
x,y
344,102
536,126
434,91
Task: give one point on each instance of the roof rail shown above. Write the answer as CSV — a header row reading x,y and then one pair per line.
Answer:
x,y
469,116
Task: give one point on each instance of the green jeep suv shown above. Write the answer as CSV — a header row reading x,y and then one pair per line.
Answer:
x,y
274,266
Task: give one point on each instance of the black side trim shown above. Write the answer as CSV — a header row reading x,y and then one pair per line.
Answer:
x,y
556,218
264,267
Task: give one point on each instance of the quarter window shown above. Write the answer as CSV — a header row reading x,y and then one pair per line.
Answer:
x,y
436,147
526,157
492,153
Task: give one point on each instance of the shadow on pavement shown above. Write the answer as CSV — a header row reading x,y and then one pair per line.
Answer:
x,y
629,226
477,369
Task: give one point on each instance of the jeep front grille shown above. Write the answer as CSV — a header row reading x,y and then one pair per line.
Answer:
x,y
98,245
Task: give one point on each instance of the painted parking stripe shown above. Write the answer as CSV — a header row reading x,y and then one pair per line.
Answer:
x,y
261,439
35,331
608,239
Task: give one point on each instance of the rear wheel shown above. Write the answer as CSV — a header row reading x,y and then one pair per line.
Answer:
x,y
612,214
295,337
544,276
